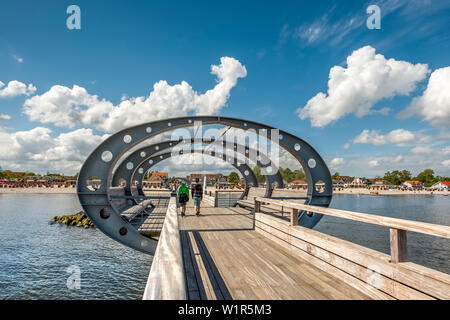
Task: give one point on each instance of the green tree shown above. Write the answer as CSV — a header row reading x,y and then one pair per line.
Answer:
x,y
299,175
426,177
287,174
233,178
397,177
259,177
336,176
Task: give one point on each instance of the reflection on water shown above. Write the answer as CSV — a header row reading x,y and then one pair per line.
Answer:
x,y
433,252
34,256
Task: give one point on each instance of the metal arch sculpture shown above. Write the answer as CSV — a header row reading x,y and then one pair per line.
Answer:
x,y
244,169
246,172
100,163
130,173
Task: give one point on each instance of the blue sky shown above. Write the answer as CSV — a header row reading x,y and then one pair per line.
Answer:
x,y
287,49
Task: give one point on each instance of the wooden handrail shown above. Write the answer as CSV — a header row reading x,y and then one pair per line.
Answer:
x,y
393,223
398,227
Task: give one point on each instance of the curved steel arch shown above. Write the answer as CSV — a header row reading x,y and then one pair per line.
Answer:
x,y
142,155
246,172
100,163
126,172
244,169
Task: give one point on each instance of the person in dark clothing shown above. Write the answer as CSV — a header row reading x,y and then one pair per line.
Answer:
x,y
197,195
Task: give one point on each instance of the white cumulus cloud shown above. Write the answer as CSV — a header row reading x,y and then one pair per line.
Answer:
x,y
37,150
434,105
63,106
368,78
422,150
374,163
336,163
5,116
398,137
16,88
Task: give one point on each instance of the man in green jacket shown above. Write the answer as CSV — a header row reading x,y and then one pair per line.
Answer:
x,y
183,197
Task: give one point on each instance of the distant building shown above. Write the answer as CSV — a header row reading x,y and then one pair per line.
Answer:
x,y
298,184
194,176
157,179
346,181
441,185
358,182
413,184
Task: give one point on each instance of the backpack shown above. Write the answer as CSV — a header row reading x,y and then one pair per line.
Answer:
x,y
183,198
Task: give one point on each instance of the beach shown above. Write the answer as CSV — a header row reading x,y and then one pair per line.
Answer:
x,y
356,191
38,190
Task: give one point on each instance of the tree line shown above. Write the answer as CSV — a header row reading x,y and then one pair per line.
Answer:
x,y
398,177
288,174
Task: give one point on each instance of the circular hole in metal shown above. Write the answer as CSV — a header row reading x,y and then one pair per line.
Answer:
x,y
269,169
190,121
143,154
170,144
156,148
280,137
246,150
107,156
319,186
245,124
144,243
141,170
246,172
104,214
127,138
130,165
312,163
160,157
169,124
122,183
150,161
93,183
148,129
297,147
123,231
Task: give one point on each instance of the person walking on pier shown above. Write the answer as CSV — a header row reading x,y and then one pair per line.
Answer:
x,y
197,195
183,197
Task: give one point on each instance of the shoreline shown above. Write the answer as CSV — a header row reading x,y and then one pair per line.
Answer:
x,y
360,191
355,191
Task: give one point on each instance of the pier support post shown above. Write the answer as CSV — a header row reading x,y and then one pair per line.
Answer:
x,y
216,198
398,245
257,205
294,217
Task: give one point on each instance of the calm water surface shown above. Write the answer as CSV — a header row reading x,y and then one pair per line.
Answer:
x,y
34,255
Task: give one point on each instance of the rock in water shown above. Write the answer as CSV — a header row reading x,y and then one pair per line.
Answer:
x,y
79,219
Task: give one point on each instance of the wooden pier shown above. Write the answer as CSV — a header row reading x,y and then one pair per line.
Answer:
x,y
235,253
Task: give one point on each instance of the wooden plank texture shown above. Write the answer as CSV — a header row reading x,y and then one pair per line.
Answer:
x,y
401,224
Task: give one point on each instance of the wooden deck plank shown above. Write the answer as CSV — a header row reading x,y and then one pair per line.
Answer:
x,y
252,266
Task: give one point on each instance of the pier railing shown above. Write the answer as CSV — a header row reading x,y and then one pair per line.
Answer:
x,y
226,198
381,275
397,227
166,279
